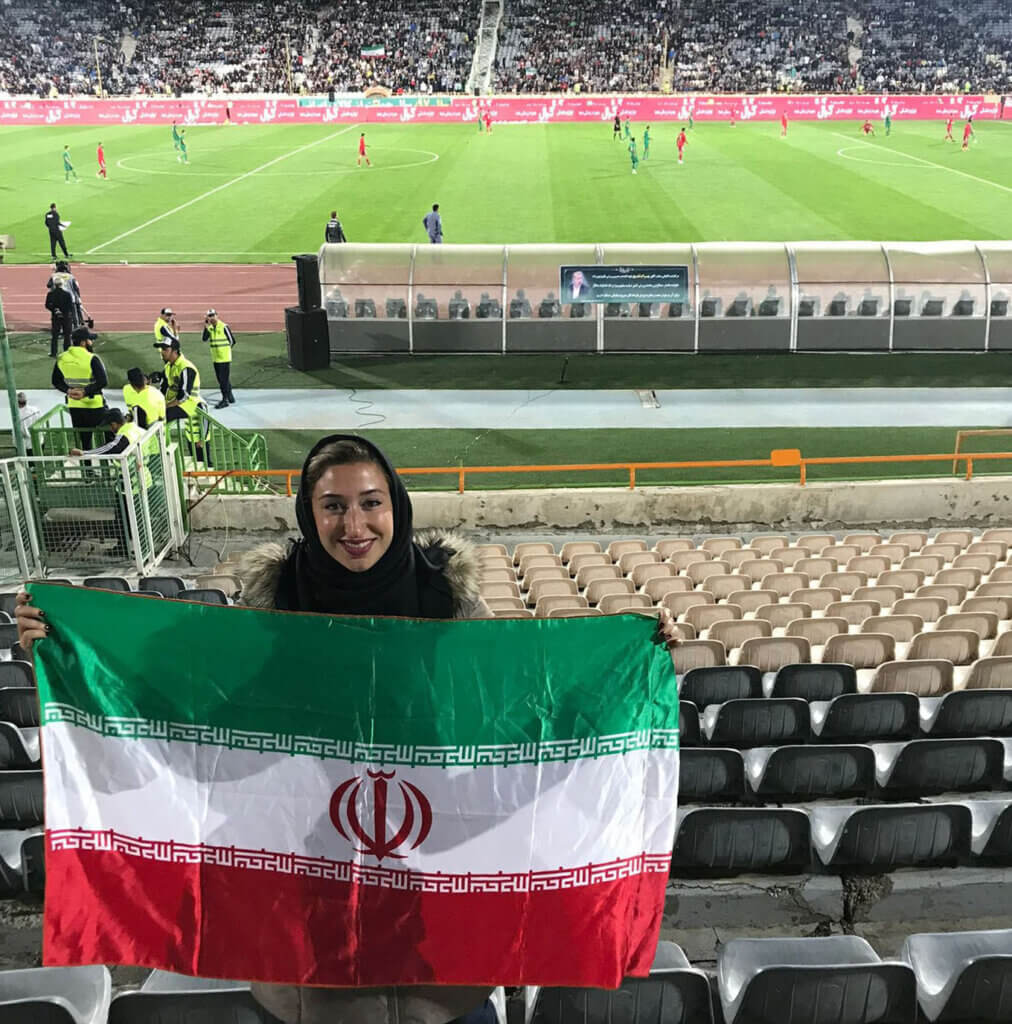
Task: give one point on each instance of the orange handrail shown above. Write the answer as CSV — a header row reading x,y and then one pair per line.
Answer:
x,y
777,459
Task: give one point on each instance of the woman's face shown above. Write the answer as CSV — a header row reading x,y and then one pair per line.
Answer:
x,y
354,515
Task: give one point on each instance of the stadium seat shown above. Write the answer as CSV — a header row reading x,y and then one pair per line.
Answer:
x,y
174,999
1001,534
550,588
817,598
230,586
679,603
789,557
688,724
499,591
865,717
779,616
33,860
16,674
631,559
766,543
962,976
749,600
785,583
734,632
930,766
706,686
697,654
814,682
810,772
579,547
923,678
397,309
992,831
108,583
703,616
885,597
496,605
699,571
816,542
772,653
836,979
883,838
969,712
613,604
717,545
20,706
658,588
599,589
817,567
961,538
167,586
960,646
8,602
365,309
531,548
645,572
722,587
571,613
55,995
846,582
758,722
864,541
489,309
709,774
21,804
817,631
674,993
681,560
902,628
990,673
19,748
207,595
999,604
984,624
862,650
549,604
722,841
585,560
8,636
928,608
667,546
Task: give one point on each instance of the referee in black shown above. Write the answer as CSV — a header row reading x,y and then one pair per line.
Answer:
x,y
55,231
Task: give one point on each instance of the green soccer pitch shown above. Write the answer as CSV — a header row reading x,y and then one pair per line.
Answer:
x,y
259,193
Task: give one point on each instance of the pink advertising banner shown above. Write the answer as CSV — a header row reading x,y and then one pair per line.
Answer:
x,y
507,109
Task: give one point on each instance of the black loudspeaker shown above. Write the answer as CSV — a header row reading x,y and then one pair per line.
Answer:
x,y
307,267
308,340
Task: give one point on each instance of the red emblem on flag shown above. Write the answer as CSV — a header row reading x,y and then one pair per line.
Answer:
x,y
415,826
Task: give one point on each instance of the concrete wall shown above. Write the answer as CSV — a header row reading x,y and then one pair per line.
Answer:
x,y
732,508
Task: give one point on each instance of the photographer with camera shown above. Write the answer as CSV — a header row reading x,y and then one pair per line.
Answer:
x,y
219,336
63,302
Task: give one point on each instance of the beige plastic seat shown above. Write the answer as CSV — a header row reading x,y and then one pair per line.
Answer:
x,y
589,573
613,604
722,587
601,588
229,585
547,572
902,628
847,582
759,568
684,631
495,562
578,547
946,552
1003,645
697,654
997,548
963,576
984,624
681,560
504,604
985,563
862,650
717,545
779,615
631,559
930,609
667,546
532,548
870,565
855,612
498,576
922,678
735,556
961,538
864,541
908,580
815,542
679,604
843,553
886,596
618,548
515,613
1001,574
990,674
927,564
529,562
815,568
784,583
657,588
998,604
642,574
817,631
550,588
895,553
788,556
497,550
548,604
960,646
769,542
698,571
769,654
817,598
952,594
914,539
573,613
583,560
749,600
499,590
994,588
732,633
703,616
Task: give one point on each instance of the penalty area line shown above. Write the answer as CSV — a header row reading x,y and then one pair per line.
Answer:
x,y
217,189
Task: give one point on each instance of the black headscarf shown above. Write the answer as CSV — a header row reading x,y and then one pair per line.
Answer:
x,y
404,582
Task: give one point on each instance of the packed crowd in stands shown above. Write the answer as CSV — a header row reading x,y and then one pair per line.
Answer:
x,y
191,46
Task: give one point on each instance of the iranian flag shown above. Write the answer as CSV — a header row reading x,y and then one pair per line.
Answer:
x,y
354,801
373,51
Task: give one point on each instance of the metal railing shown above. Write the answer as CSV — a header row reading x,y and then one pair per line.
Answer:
x,y
237,460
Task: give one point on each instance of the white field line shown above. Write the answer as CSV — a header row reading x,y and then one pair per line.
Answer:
x,y
927,163
218,188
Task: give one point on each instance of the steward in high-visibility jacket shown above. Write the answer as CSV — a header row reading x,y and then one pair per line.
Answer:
x,y
81,376
146,404
182,395
219,337
165,327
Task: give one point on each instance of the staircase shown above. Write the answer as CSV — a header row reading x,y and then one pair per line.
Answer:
x,y
483,65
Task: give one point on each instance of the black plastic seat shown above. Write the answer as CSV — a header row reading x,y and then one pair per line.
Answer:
x,y
55,995
811,772
706,774
167,586
814,682
365,309
397,309
926,767
8,635
8,602
17,674
992,831
972,713
229,1007
108,583
722,841
721,683
33,863
18,749
760,722
19,705
21,803
688,724
866,717
208,595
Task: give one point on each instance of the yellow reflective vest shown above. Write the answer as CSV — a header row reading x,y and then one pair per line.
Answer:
x,y
133,434
221,349
75,365
150,399
173,377
159,324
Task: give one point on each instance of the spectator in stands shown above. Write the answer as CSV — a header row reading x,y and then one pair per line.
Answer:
x,y
333,232
433,224
80,375
27,415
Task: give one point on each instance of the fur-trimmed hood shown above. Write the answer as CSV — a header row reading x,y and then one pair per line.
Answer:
x,y
260,570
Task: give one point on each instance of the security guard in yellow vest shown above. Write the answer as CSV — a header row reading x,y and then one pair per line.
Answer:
x,y
219,336
165,326
81,376
182,395
146,404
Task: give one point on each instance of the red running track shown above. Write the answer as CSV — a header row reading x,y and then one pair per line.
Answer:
x,y
129,297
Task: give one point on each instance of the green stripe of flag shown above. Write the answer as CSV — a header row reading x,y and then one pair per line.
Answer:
x,y
368,681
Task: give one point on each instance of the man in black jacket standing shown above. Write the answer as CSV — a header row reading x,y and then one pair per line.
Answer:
x,y
55,231
334,232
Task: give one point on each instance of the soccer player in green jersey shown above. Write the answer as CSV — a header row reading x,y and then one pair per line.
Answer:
x,y
628,131
692,123
888,122
646,142
175,137
68,167
183,158
633,156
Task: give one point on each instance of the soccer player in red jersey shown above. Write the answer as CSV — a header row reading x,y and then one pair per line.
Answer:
x,y
967,132
488,122
867,128
948,130
362,155
101,163
680,143
783,124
